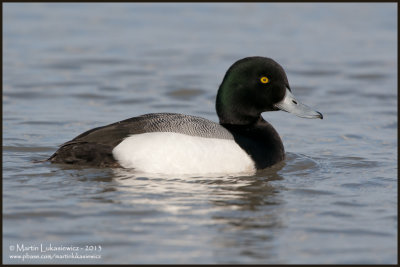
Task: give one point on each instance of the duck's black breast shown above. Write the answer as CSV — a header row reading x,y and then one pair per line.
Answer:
x,y
260,140
94,147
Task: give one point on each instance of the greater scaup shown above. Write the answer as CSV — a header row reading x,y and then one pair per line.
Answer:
x,y
171,143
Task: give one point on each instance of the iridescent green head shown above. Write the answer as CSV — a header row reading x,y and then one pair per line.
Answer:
x,y
254,85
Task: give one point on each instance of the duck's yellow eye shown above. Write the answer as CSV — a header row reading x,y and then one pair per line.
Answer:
x,y
264,80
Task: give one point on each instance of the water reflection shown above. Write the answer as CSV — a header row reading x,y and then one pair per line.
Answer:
x,y
243,210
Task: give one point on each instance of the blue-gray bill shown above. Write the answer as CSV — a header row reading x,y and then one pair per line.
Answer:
x,y
291,105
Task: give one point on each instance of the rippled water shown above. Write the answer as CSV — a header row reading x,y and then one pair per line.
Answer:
x,y
70,67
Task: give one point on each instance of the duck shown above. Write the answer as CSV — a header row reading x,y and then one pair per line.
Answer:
x,y
170,143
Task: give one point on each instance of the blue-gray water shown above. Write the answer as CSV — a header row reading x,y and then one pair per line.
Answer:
x,y
72,67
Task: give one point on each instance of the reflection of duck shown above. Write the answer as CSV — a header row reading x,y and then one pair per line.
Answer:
x,y
232,215
176,143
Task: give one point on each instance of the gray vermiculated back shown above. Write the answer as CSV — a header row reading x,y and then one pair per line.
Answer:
x,y
179,123
114,133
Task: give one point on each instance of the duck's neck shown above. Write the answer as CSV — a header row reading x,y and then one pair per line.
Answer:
x,y
234,114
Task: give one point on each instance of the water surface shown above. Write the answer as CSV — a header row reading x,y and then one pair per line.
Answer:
x,y
71,67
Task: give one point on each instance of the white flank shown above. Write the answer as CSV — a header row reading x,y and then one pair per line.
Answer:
x,y
174,153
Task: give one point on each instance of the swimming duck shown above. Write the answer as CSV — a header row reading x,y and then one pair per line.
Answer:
x,y
169,143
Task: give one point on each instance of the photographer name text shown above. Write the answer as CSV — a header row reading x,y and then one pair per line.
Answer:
x,y
51,248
